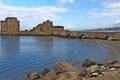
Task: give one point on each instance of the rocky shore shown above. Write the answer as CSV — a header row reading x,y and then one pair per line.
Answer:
x,y
90,70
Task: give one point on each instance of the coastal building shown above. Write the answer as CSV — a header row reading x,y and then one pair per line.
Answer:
x,y
10,26
47,27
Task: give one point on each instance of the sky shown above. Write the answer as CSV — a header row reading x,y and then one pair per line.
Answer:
x,y
72,14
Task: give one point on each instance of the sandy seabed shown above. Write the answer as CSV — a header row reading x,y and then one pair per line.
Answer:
x,y
112,46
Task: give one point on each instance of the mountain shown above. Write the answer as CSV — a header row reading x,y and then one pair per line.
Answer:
x,y
111,29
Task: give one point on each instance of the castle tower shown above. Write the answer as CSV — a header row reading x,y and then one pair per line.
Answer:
x,y
10,26
47,25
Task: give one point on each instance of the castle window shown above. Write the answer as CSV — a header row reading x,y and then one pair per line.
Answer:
x,y
41,29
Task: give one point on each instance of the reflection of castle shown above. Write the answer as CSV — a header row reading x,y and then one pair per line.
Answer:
x,y
11,26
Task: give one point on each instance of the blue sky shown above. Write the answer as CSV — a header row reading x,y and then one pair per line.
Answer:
x,y
72,14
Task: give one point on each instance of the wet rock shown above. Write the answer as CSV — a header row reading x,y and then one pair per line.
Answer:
x,y
45,71
66,67
88,63
48,76
67,76
32,76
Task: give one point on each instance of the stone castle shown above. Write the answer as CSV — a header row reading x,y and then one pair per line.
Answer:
x,y
12,26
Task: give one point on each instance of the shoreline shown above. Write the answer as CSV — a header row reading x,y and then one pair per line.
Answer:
x,y
113,48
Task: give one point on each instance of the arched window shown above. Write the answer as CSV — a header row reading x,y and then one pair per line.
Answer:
x,y
41,29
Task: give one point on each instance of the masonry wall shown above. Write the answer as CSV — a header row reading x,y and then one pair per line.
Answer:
x,y
3,26
46,28
10,26
58,28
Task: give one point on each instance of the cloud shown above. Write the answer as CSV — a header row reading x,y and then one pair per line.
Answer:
x,y
112,5
40,12
67,1
110,10
102,1
117,22
28,15
70,27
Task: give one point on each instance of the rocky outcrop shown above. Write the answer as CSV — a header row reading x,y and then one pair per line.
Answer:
x,y
48,76
91,71
67,76
32,76
95,68
88,63
115,64
66,67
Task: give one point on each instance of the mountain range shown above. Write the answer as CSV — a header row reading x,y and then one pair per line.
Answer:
x,y
110,29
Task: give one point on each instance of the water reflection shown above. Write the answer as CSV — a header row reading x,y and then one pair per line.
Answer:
x,y
43,39
9,44
46,42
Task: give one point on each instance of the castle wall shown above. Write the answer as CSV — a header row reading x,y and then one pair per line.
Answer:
x,y
10,26
46,28
3,26
58,28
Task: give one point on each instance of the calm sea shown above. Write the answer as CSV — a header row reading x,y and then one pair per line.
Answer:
x,y
21,54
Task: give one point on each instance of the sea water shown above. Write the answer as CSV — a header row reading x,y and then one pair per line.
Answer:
x,y
22,54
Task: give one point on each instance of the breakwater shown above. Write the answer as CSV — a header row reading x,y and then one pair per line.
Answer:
x,y
88,35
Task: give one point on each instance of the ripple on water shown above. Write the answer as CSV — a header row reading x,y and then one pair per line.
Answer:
x,y
21,54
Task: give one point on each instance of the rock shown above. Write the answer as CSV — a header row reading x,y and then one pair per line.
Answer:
x,y
94,74
93,68
88,63
102,68
48,76
112,69
66,67
115,64
45,71
68,76
65,34
32,76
